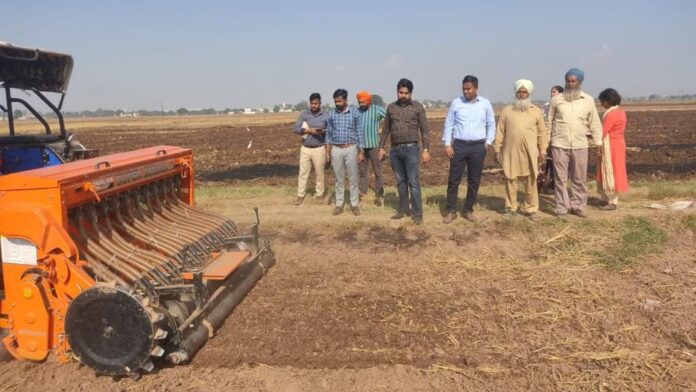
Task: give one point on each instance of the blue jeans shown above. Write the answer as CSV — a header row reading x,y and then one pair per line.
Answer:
x,y
405,162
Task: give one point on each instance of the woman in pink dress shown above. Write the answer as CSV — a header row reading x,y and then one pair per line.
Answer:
x,y
611,166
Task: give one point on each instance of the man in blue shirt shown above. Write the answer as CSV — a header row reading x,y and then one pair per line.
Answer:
x,y
469,129
344,139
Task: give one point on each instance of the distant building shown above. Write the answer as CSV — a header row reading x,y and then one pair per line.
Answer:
x,y
285,108
248,111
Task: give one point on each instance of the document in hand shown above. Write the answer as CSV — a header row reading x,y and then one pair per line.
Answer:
x,y
304,126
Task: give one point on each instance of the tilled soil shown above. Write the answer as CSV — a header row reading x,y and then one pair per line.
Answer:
x,y
660,145
492,313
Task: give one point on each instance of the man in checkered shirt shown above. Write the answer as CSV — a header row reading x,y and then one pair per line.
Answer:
x,y
344,140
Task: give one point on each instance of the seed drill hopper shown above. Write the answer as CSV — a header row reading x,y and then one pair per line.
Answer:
x,y
107,260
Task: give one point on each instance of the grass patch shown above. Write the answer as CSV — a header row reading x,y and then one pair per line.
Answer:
x,y
235,191
638,237
516,225
660,190
689,222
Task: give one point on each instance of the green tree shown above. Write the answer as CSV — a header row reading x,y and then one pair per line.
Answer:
x,y
17,113
302,105
182,111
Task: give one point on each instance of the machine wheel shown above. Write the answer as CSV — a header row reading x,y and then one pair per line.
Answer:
x,y
111,331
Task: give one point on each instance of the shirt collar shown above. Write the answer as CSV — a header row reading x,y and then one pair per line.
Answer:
x,y
611,108
478,98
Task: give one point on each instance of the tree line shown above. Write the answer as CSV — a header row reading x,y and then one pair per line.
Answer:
x,y
302,105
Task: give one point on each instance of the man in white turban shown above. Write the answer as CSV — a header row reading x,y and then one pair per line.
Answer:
x,y
520,144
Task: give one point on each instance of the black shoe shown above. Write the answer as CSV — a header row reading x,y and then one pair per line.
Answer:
x,y
378,201
337,211
418,220
398,215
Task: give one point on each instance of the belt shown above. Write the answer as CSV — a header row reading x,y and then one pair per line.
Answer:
x,y
312,146
407,144
344,145
460,141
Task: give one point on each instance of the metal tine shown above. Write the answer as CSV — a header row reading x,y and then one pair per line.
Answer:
x,y
142,219
127,223
101,272
148,242
202,227
172,190
127,255
108,259
157,261
147,214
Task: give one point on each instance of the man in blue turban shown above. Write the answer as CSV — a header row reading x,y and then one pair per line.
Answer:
x,y
579,75
575,123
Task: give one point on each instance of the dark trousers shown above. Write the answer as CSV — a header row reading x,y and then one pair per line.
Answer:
x,y
405,162
467,157
372,156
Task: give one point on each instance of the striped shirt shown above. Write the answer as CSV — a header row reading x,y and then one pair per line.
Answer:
x,y
345,127
371,118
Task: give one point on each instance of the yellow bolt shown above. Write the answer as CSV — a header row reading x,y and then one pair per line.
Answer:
x,y
27,293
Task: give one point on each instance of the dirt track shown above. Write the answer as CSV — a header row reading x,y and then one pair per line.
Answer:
x,y
358,305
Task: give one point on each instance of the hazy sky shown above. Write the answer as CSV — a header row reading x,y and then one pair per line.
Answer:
x,y
143,54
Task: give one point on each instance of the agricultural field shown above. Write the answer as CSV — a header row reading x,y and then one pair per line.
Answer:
x,y
365,303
